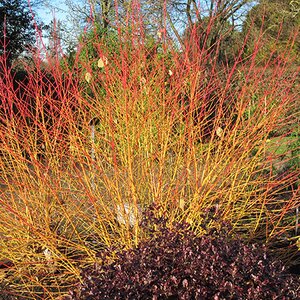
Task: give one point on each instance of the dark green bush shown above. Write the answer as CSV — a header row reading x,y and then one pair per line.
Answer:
x,y
176,264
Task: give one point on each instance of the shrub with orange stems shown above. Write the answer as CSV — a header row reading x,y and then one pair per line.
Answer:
x,y
176,128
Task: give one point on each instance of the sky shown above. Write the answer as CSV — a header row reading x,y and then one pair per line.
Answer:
x,y
58,10
48,11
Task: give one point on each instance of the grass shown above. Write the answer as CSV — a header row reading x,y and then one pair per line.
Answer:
x,y
170,133
280,145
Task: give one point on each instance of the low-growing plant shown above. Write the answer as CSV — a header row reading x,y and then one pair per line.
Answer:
x,y
174,263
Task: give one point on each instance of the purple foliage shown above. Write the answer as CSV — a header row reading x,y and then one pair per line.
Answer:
x,y
176,264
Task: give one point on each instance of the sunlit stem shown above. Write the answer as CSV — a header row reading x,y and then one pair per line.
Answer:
x,y
92,123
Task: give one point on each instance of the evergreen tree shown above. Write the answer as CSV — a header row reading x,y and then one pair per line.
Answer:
x,y
17,32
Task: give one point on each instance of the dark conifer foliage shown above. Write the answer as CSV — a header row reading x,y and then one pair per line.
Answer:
x,y
17,32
